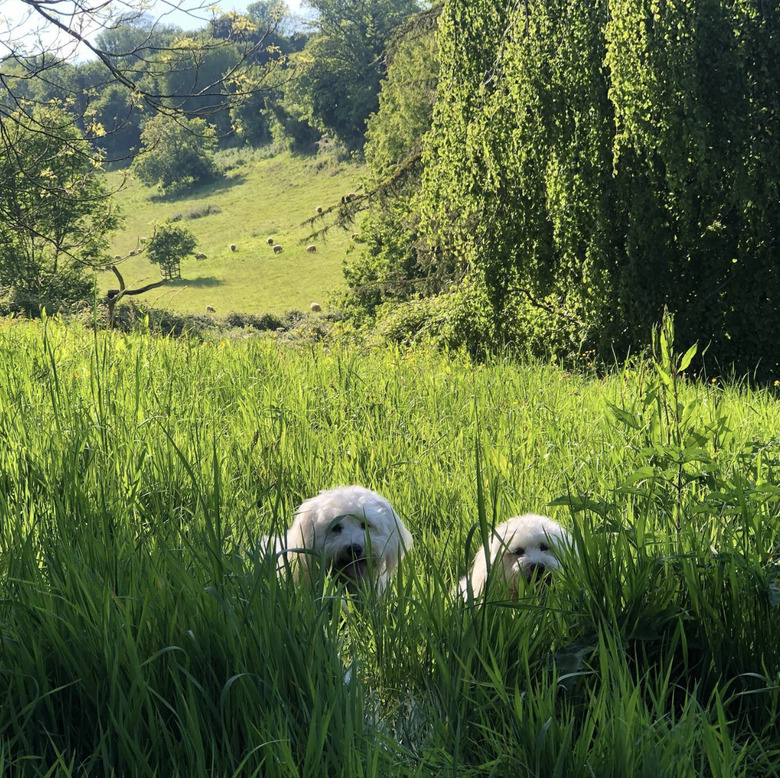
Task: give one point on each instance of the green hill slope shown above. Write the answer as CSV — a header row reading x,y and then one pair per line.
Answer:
x,y
257,199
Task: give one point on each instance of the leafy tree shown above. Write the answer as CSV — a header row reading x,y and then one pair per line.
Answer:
x,y
55,214
275,15
207,82
266,21
408,92
176,153
341,66
168,246
161,68
591,163
287,128
390,265
250,122
134,37
256,113
119,120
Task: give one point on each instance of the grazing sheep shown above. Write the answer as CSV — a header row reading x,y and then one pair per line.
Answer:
x,y
117,257
200,256
315,307
270,241
351,196
210,309
355,235
277,249
319,209
131,253
232,246
311,248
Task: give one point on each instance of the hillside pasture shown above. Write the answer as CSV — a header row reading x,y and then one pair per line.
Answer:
x,y
256,199
144,632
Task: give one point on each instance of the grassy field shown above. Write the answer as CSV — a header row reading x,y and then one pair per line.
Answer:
x,y
141,634
258,198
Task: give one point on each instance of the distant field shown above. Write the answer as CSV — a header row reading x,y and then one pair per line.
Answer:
x,y
259,198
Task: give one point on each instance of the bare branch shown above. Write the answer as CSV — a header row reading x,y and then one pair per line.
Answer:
x,y
113,296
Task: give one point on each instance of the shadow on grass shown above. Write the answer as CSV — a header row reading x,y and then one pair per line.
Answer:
x,y
218,184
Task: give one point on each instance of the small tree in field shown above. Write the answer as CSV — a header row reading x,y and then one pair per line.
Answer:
x,y
176,153
168,246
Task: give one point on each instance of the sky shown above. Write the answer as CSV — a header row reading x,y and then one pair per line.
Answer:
x,y
20,25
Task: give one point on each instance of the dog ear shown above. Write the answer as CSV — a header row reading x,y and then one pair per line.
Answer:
x,y
398,544
478,574
407,541
301,535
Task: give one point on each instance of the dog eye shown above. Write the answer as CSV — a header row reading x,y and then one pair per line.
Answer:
x,y
544,547
519,551
336,528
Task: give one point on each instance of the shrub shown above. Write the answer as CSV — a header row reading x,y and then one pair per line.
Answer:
x,y
63,292
453,320
203,210
263,322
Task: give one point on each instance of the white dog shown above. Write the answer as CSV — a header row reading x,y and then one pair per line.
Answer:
x,y
522,547
352,532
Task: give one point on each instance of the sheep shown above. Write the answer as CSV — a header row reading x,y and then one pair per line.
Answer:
x,y
311,248
131,253
232,246
319,209
277,249
200,256
355,235
117,257
143,240
315,307
210,309
351,196
270,241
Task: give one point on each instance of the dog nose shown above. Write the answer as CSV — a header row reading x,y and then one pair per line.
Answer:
x,y
537,569
355,551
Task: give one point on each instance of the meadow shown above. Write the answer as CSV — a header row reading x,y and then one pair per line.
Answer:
x,y
258,197
143,633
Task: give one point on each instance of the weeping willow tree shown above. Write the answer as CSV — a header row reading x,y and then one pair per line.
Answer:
x,y
591,163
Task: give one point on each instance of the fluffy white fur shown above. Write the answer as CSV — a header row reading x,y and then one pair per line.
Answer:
x,y
524,547
351,531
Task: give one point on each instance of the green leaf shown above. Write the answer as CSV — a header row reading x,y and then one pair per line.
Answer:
x,y
625,417
687,357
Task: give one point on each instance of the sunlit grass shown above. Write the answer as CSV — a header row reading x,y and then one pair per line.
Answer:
x,y
142,634
257,199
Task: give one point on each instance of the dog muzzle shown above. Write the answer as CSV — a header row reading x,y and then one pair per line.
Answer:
x,y
352,563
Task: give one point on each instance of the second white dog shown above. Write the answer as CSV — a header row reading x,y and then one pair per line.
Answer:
x,y
524,547
351,531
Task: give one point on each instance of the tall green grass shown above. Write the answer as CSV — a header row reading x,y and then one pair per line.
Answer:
x,y
143,633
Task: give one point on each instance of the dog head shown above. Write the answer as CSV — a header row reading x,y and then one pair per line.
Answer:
x,y
353,532
524,548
